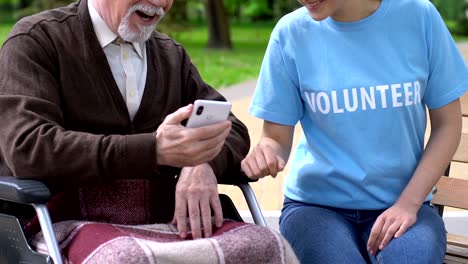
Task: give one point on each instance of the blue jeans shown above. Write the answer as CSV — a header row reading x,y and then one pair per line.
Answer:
x,y
324,235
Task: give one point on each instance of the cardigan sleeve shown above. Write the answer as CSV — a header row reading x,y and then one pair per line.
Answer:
x,y
33,140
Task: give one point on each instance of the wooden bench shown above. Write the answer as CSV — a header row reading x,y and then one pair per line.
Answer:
x,y
453,192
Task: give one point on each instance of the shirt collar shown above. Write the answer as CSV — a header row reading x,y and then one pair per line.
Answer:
x,y
103,32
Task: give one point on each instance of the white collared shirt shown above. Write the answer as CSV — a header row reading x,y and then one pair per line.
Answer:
x,y
128,62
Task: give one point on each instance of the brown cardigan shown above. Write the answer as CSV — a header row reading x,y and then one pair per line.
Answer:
x,y
64,120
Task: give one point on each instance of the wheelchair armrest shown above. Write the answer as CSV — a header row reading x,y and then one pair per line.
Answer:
x,y
23,191
242,181
238,179
37,194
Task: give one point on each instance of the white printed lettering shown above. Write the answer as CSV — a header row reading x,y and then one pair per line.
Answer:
x,y
336,109
310,97
382,89
367,99
326,101
408,93
417,92
396,95
346,100
364,98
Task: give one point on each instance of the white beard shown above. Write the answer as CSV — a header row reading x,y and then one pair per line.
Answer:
x,y
142,33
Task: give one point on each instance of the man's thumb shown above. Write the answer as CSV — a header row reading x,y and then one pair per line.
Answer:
x,y
178,116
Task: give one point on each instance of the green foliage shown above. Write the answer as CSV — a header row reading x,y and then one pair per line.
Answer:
x,y
462,21
6,9
195,10
36,6
258,10
282,7
450,9
232,5
178,12
455,13
8,3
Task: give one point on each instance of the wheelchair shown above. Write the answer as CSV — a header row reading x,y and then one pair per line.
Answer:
x,y
14,247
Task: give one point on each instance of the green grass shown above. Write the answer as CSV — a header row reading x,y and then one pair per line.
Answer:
x,y
459,38
4,29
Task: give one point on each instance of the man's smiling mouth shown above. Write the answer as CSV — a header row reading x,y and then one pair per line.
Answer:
x,y
145,16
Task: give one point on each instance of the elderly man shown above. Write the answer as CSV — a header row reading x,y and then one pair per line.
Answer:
x,y
92,101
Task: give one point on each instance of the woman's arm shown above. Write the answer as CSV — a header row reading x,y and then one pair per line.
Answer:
x,y
446,125
271,153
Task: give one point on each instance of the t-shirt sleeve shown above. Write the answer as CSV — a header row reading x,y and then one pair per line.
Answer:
x,y
276,97
448,74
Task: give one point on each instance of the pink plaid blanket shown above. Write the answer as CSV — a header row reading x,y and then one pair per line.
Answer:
x,y
234,242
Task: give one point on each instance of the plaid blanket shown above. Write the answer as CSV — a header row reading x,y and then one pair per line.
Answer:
x,y
234,242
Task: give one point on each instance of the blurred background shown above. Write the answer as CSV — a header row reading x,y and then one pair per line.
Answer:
x,y
226,40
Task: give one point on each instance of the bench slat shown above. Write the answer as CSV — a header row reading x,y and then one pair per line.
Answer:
x,y
464,104
449,259
462,152
457,249
460,252
457,240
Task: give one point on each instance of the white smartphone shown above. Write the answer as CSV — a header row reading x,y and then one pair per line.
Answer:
x,y
208,112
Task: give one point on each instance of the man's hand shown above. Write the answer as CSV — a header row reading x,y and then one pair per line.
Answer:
x,y
392,223
262,161
179,146
197,193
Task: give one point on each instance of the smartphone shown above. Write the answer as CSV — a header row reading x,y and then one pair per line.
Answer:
x,y
208,112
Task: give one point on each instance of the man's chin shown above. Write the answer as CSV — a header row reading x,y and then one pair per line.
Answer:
x,y
140,36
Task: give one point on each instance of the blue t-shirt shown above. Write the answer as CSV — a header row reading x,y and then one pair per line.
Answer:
x,y
360,90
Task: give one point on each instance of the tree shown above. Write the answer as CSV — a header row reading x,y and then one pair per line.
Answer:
x,y
218,25
23,3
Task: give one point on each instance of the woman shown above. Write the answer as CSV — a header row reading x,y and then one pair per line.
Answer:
x,y
359,76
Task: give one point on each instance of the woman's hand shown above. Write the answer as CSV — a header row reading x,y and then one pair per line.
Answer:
x,y
262,161
392,223
271,153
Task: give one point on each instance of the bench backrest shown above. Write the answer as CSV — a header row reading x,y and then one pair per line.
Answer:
x,y
451,191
